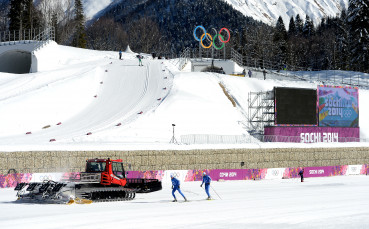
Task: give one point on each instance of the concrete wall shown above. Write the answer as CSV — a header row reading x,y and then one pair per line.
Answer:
x,y
38,162
228,66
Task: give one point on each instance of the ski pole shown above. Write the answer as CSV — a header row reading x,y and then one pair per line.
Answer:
x,y
215,191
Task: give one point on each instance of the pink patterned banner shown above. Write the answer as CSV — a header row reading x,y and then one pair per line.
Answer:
x,y
364,170
227,174
291,172
324,171
146,174
11,180
195,175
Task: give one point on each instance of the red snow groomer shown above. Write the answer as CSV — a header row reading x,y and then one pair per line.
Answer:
x,y
104,180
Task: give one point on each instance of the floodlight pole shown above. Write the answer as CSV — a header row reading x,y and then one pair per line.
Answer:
x,y
173,140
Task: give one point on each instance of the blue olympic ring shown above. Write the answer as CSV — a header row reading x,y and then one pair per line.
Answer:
x,y
194,32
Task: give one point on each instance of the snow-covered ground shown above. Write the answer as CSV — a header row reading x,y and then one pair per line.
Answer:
x,y
330,202
91,100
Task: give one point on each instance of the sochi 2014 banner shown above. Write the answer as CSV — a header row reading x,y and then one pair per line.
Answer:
x,y
338,106
306,134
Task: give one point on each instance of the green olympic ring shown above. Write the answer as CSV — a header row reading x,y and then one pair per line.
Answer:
x,y
221,38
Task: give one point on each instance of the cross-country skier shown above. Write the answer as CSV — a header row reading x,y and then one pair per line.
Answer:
x,y
139,60
301,173
175,187
120,54
264,73
206,179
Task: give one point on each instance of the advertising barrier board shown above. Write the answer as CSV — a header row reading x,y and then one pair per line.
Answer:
x,y
11,180
354,169
275,173
311,134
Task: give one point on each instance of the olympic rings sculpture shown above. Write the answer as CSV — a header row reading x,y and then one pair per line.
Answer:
x,y
212,39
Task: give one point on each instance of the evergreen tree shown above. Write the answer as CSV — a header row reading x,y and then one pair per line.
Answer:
x,y
322,27
299,24
23,15
341,49
280,30
3,15
308,29
31,15
16,15
292,28
80,35
358,21
280,41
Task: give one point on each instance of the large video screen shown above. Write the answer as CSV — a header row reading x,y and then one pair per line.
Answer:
x,y
295,106
338,106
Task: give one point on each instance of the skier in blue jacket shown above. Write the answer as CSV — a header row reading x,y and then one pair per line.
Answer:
x,y
139,60
175,187
301,173
206,179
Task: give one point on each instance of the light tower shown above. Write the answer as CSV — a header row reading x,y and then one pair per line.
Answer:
x,y
173,140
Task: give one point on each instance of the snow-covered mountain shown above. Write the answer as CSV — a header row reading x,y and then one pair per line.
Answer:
x,y
268,11
93,7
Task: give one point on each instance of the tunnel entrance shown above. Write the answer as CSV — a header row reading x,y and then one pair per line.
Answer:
x,y
15,61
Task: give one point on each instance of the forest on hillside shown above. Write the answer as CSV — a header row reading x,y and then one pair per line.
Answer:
x,y
166,27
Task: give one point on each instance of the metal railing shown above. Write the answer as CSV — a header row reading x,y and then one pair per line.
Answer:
x,y
245,139
216,139
43,38
17,36
236,57
184,58
327,77
39,37
331,77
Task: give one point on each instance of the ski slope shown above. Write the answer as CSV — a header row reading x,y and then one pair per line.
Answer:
x,y
90,100
81,98
330,202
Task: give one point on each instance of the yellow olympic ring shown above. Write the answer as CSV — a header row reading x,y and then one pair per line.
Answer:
x,y
210,39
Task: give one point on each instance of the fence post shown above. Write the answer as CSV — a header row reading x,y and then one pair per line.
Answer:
x,y
224,57
358,80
